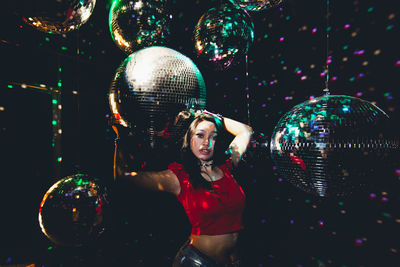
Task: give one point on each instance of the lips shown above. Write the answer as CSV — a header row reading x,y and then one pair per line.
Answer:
x,y
204,151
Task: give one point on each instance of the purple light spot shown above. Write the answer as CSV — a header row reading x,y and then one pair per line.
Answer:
x,y
347,26
384,199
259,84
280,180
274,168
321,223
398,63
281,39
359,52
334,78
314,30
292,222
303,78
322,74
311,97
263,105
358,242
372,195
397,172
236,78
358,94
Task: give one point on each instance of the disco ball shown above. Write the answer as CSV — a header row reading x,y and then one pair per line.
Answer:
x,y
72,210
256,5
58,16
149,92
330,145
223,36
138,24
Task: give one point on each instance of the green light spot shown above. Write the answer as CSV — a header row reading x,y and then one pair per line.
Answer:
x,y
352,79
64,48
50,248
307,201
370,9
59,69
54,122
345,47
287,17
59,159
59,84
340,203
54,101
9,86
389,27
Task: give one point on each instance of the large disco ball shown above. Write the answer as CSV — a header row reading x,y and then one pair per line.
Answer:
x,y
138,24
332,145
223,35
149,92
256,5
57,16
72,210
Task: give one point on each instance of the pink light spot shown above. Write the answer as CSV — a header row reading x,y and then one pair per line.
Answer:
x,y
347,26
314,30
281,39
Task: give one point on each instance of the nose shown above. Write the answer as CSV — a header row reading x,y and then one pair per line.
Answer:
x,y
207,142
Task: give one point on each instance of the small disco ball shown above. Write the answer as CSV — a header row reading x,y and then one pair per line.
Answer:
x,y
222,36
331,145
139,24
256,5
152,93
72,210
60,16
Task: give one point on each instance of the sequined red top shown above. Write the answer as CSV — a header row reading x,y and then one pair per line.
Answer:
x,y
213,212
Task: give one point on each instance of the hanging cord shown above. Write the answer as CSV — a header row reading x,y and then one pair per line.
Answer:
x,y
78,161
247,89
326,90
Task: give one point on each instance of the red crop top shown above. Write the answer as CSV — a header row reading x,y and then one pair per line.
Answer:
x,y
212,213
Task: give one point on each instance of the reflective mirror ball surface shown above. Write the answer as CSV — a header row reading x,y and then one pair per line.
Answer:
x,y
332,145
139,24
256,5
149,92
57,16
222,36
72,210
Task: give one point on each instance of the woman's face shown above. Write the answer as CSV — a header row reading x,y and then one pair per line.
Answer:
x,y
203,141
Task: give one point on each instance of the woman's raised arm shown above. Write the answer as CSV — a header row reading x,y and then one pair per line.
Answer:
x,y
242,133
165,180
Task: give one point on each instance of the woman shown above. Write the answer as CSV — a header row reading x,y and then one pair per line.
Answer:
x,y
203,183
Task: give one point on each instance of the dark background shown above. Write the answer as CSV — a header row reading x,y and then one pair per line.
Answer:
x,y
284,226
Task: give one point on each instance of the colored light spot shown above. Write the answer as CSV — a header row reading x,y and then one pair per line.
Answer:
x,y
280,180
54,101
345,47
291,221
314,30
321,223
64,48
204,205
389,27
347,26
9,86
359,52
370,9
384,199
359,94
397,172
281,39
50,248
358,242
54,122
59,159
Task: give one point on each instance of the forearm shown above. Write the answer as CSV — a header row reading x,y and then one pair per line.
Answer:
x,y
237,128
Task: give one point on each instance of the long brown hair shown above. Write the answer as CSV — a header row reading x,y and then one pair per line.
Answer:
x,y
191,162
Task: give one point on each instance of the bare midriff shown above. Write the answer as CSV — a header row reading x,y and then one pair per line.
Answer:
x,y
223,248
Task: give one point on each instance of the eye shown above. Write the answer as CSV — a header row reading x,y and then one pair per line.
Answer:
x,y
200,135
